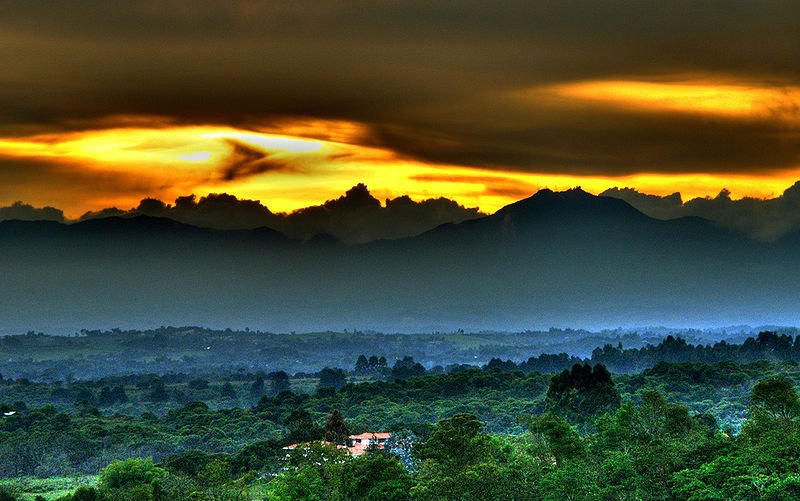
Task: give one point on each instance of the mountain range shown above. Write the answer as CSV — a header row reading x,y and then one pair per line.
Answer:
x,y
359,217
555,259
355,217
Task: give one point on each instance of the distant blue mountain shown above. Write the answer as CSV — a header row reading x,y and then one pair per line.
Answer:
x,y
555,259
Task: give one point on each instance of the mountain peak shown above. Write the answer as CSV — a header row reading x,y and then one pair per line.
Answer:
x,y
572,202
572,194
356,198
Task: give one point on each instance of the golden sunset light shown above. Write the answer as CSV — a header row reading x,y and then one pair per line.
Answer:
x,y
737,100
289,172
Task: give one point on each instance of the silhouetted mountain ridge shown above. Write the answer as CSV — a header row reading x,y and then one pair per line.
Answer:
x,y
766,219
556,258
575,215
138,228
546,215
355,217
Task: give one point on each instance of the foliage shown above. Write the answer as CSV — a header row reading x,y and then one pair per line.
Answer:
x,y
129,473
582,394
406,368
676,430
336,429
561,441
332,378
775,397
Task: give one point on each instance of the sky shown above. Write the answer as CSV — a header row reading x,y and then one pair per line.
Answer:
x,y
293,102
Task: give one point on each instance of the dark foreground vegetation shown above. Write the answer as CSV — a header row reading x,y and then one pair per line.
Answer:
x,y
723,424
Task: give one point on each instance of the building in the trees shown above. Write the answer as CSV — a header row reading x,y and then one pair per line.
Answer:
x,y
356,444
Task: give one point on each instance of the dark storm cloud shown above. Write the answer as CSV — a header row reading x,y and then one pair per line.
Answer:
x,y
433,79
245,161
605,142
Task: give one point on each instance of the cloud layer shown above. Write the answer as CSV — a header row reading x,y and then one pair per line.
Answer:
x,y
467,83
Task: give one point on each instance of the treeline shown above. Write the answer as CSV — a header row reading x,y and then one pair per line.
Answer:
x,y
650,449
157,394
82,437
149,392
769,346
587,443
196,350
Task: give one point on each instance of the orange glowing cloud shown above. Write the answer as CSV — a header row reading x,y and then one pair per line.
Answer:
x,y
318,162
292,165
693,96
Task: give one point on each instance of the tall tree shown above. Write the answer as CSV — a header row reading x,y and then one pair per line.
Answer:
x,y
157,391
582,394
332,378
362,367
302,427
406,367
336,429
257,388
775,397
279,382
227,390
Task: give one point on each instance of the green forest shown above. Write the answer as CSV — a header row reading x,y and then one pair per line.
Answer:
x,y
672,420
94,354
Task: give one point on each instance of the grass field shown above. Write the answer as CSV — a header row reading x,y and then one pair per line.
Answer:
x,y
27,488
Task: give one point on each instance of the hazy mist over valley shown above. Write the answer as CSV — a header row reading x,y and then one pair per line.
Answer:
x,y
556,259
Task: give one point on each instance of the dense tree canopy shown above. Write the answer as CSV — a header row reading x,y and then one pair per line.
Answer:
x,y
675,430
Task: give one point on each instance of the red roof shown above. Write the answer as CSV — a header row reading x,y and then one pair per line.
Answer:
x,y
360,443
379,435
